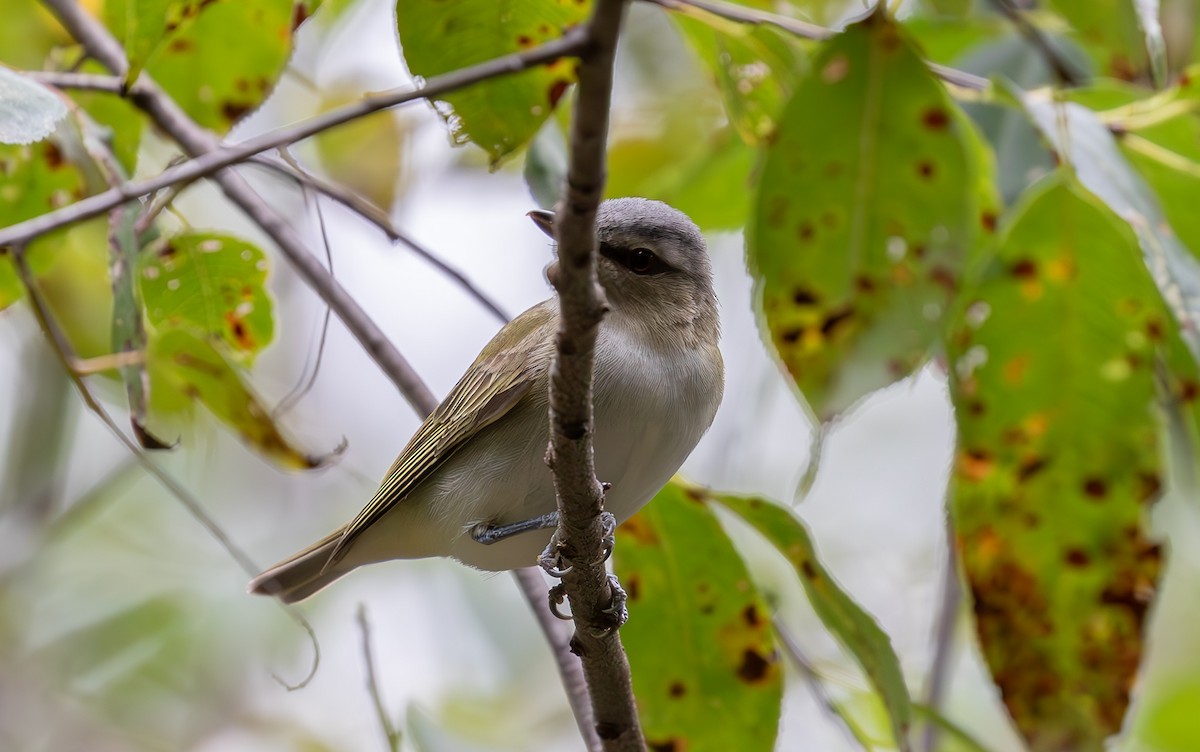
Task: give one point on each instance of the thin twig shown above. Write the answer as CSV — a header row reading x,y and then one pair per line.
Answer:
x,y
383,223
529,580
1063,71
815,684
196,140
216,157
805,30
66,355
80,81
390,731
943,646
582,306
305,385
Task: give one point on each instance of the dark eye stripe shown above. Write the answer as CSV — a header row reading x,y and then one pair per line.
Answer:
x,y
625,257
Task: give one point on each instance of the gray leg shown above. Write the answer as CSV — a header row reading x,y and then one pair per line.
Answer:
x,y
489,534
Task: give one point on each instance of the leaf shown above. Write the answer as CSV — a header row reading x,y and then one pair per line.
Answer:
x,y
205,61
211,283
28,111
34,178
755,68
499,116
1081,139
1112,33
144,25
184,366
705,669
853,627
366,155
864,217
118,121
1058,456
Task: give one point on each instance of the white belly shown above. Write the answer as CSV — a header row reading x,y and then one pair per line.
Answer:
x,y
650,412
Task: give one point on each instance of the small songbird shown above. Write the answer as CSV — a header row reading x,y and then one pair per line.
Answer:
x,y
472,483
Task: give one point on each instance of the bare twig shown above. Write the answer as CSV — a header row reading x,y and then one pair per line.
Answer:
x,y
943,650
307,380
385,722
196,141
581,306
530,581
383,223
815,684
81,81
66,355
1063,71
804,30
213,157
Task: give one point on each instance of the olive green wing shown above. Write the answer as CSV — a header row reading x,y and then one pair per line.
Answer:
x,y
507,370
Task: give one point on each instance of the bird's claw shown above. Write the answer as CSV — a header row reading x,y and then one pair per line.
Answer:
x,y
552,561
556,596
615,610
609,541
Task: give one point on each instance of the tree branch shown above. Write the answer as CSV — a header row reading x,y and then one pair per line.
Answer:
x,y
383,223
81,81
581,305
196,140
210,156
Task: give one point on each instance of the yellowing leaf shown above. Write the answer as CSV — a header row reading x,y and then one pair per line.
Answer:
x,y
1053,365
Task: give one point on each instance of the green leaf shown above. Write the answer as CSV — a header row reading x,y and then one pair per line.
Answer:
x,y
34,179
28,111
864,217
499,116
1112,33
705,669
185,366
1058,456
204,60
213,284
1081,139
853,627
755,68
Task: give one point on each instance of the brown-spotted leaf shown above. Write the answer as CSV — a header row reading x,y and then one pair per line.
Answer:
x,y
842,616
185,367
211,283
218,59
871,196
1052,365
501,115
34,179
706,673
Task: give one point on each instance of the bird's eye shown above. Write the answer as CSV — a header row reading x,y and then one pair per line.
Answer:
x,y
641,261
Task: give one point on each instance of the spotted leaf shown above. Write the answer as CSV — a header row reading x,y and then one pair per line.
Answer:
x,y
871,196
706,674
1052,365
212,283
841,615
197,50
502,115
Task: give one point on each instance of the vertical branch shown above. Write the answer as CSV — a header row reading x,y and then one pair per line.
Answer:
x,y
581,304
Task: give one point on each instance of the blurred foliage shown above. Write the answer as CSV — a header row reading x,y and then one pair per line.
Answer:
x,y
872,197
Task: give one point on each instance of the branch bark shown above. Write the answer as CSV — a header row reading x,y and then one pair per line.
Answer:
x,y
195,140
581,304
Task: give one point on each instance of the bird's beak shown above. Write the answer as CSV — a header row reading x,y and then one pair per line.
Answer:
x,y
544,220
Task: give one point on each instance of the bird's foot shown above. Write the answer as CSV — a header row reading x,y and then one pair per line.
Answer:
x,y
615,610
556,596
552,561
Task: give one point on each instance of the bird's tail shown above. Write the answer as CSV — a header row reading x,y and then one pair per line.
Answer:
x,y
303,574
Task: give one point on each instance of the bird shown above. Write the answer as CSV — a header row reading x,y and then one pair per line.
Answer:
x,y
472,483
